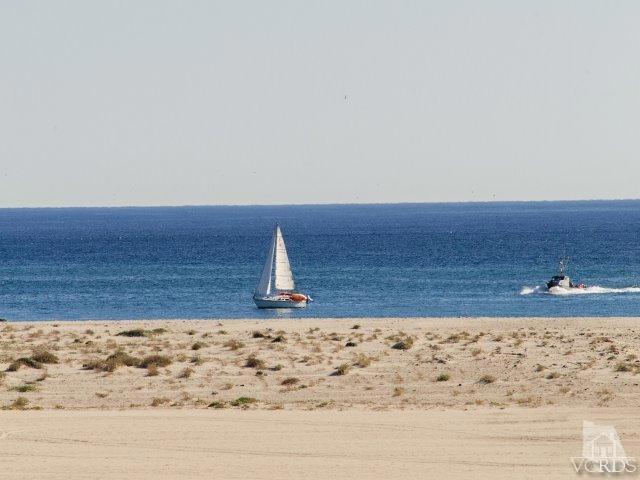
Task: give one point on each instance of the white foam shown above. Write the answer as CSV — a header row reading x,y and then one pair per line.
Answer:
x,y
595,289
530,290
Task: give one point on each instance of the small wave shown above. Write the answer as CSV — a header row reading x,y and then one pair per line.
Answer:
x,y
595,289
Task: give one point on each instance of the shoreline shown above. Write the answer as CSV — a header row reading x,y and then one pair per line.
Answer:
x,y
7,321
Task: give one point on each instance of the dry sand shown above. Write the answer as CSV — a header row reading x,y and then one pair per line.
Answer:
x,y
485,443
510,401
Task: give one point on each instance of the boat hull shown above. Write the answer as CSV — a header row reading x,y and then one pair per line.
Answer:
x,y
278,303
558,289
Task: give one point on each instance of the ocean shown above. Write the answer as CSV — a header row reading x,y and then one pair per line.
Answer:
x,y
456,259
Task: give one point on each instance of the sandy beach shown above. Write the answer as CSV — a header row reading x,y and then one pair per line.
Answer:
x,y
233,444
346,398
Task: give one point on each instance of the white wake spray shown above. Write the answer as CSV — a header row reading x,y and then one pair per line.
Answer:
x,y
595,289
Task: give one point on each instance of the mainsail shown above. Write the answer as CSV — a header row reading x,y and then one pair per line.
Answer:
x,y
276,274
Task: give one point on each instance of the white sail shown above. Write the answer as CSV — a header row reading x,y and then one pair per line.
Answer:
x,y
276,274
283,274
264,285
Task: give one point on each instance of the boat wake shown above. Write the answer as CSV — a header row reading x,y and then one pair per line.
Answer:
x,y
595,289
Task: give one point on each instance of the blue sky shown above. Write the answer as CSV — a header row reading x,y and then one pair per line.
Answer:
x,y
201,102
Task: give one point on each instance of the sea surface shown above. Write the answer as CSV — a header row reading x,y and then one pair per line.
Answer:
x,y
462,259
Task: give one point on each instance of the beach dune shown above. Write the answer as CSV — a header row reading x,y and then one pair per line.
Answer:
x,y
321,364
314,398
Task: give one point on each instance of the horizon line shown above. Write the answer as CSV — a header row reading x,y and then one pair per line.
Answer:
x,y
313,204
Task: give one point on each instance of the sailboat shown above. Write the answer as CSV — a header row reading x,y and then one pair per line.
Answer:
x,y
276,288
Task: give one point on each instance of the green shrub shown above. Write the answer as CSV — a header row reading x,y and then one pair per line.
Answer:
x,y
241,401
28,387
136,332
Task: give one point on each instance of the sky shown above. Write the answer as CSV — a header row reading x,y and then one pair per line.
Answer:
x,y
156,102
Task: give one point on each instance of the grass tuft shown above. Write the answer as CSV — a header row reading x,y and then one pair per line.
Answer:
x,y
123,358
157,360
44,356
289,381
254,362
135,332
112,362
405,344
242,401
398,391
622,367
487,379
233,344
141,332
28,387
19,403
362,361
24,361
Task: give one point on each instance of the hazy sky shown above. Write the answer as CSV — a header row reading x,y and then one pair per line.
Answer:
x,y
202,102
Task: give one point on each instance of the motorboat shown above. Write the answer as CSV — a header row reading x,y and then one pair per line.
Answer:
x,y
561,280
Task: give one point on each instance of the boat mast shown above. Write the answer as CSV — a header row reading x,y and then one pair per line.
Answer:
x,y
563,265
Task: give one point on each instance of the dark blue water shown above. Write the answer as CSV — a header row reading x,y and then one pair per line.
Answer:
x,y
367,260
